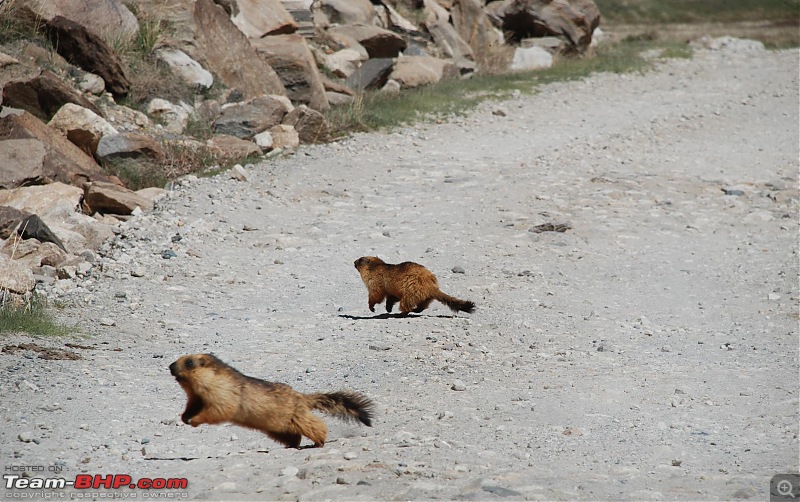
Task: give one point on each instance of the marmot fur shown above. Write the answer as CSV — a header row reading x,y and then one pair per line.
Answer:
x,y
218,393
409,283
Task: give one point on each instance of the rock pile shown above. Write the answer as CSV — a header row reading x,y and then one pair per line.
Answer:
x,y
261,74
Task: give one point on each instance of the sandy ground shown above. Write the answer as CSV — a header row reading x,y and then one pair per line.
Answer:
x,y
650,352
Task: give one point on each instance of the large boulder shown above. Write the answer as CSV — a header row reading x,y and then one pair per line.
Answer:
x,y
344,62
81,126
396,21
174,117
245,120
284,137
189,70
310,125
448,40
378,42
229,54
106,18
259,18
414,71
10,218
33,227
335,12
129,145
231,147
373,74
83,48
531,58
474,26
16,277
43,95
52,202
291,58
21,162
63,161
109,198
575,20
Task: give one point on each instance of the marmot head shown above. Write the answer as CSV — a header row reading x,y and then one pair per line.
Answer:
x,y
367,262
185,365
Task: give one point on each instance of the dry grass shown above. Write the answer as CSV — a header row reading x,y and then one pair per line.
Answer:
x,y
495,59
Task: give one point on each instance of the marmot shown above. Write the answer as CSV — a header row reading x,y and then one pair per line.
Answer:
x,y
409,283
219,393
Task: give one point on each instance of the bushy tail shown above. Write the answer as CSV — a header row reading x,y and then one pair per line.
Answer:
x,y
455,304
344,405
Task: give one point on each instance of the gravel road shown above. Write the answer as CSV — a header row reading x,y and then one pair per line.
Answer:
x,y
649,352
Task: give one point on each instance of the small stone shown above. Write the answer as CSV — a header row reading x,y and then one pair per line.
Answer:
x,y
733,191
138,272
107,321
25,437
341,481
31,386
290,471
677,463
145,440
773,296
499,112
500,491
238,173
458,269
350,455
84,268
458,385
168,253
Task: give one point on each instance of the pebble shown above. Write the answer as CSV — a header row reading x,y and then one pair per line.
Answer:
x,y
25,437
107,321
458,385
350,455
458,269
168,253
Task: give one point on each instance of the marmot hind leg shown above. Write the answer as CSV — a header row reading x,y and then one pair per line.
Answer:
x,y
423,305
312,427
287,439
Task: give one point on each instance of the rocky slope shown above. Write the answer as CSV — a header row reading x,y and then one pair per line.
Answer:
x,y
648,352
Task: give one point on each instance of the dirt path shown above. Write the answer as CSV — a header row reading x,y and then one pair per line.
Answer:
x,y
649,352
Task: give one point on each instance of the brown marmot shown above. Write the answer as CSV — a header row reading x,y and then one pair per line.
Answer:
x,y
409,283
219,393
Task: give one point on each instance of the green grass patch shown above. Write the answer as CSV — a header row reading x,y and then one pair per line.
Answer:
x,y
374,109
29,316
692,11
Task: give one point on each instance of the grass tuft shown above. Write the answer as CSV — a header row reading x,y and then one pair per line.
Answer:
x,y
31,315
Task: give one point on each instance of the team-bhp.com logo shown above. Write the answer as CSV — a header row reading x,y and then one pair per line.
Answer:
x,y
95,482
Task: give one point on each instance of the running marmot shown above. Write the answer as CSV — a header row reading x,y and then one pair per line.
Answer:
x,y
218,393
409,283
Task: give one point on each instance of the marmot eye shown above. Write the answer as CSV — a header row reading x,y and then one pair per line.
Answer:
x,y
189,363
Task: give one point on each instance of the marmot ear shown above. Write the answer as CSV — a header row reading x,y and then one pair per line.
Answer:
x,y
201,361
